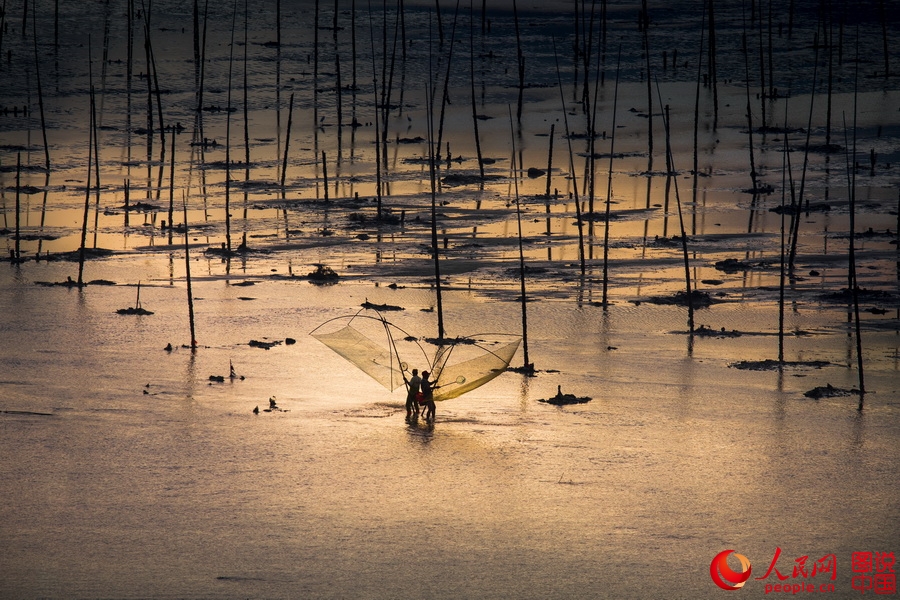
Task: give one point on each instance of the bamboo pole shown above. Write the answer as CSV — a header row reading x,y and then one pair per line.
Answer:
x,y
520,59
172,189
445,96
228,138
377,119
337,70
713,75
325,175
287,142
16,254
474,105
854,284
782,271
527,365
187,274
549,161
646,42
429,99
612,146
578,215
87,189
687,269
795,214
37,70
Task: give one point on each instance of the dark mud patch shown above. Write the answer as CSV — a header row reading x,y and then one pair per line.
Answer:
x,y
697,299
863,294
69,282
772,365
381,307
731,266
263,345
74,255
134,310
456,179
828,391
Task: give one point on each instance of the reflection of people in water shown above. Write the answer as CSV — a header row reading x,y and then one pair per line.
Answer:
x,y
413,390
428,396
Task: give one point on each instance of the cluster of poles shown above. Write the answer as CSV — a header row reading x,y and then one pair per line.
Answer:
x,y
590,54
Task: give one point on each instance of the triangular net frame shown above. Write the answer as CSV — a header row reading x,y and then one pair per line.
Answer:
x,y
483,357
490,356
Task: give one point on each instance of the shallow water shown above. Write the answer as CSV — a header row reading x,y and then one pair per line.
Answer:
x,y
129,473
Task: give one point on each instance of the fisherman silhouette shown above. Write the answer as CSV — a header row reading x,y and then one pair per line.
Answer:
x,y
413,385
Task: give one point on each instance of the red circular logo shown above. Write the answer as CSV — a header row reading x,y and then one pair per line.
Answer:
x,y
724,576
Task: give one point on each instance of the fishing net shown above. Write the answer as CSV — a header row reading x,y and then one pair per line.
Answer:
x,y
491,357
386,353
374,360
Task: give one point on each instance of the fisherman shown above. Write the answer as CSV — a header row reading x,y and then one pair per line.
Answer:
x,y
411,393
428,396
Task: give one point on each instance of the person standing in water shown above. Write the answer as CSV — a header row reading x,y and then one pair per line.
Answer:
x,y
428,393
413,386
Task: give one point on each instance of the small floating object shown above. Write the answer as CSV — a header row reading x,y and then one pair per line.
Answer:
x,y
561,399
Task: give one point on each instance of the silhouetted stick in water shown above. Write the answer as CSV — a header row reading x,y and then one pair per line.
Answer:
x,y
571,165
127,200
670,161
172,188
37,70
87,190
712,75
325,175
528,366
287,142
854,284
795,213
550,159
520,59
445,96
16,255
474,105
246,103
378,140
785,177
612,147
432,166
646,42
228,138
187,275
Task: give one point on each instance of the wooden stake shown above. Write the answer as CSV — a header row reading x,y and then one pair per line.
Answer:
x,y
474,106
187,272
612,146
527,366
550,160
87,190
228,138
287,142
37,69
580,221
16,254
